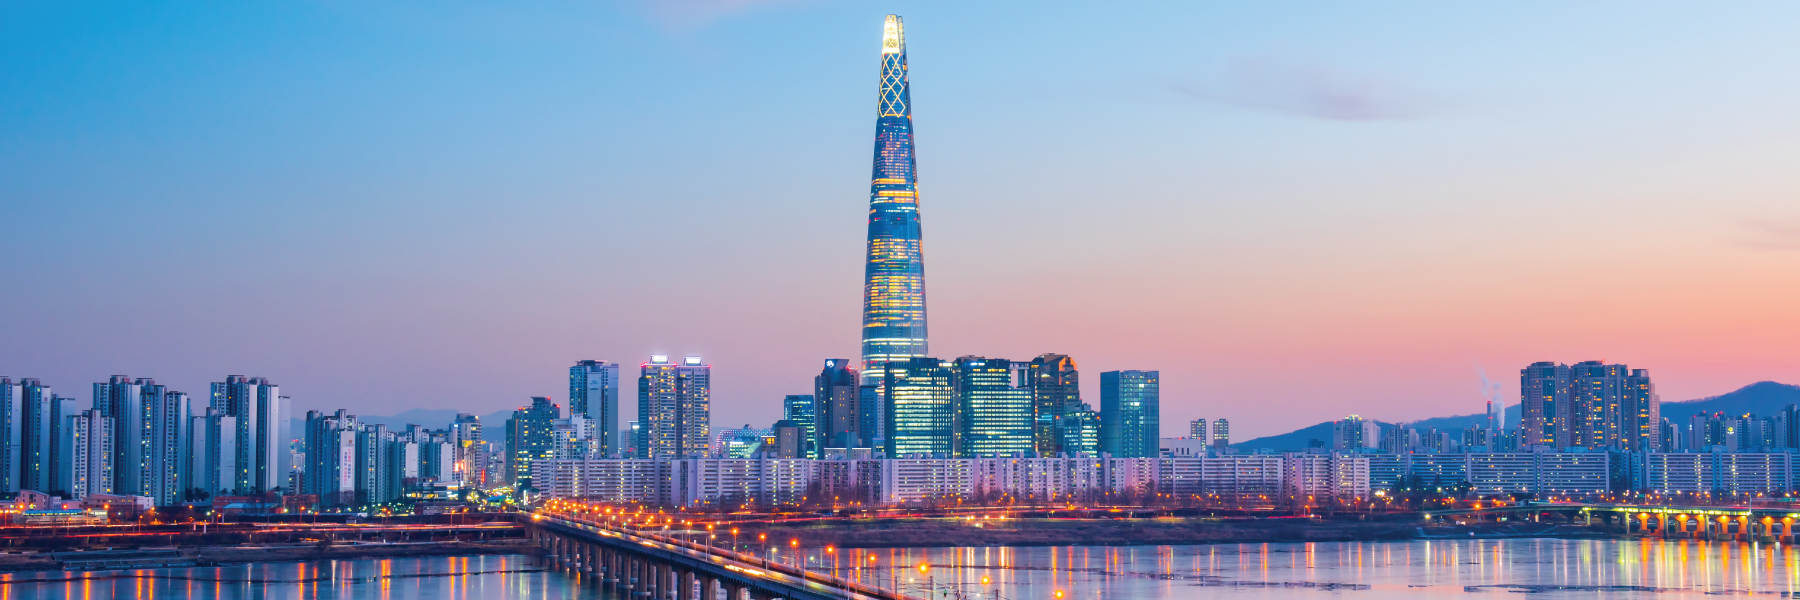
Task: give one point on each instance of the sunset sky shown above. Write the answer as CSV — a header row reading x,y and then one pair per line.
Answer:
x,y
1294,211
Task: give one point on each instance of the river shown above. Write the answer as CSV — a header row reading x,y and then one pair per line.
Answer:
x,y
1335,570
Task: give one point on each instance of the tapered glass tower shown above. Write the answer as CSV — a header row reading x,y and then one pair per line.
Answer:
x,y
894,278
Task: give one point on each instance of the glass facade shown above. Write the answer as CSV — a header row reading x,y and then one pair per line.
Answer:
x,y
894,276
1055,390
1129,413
921,395
840,408
993,408
802,411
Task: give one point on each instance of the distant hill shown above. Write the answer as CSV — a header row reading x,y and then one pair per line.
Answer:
x,y
1762,398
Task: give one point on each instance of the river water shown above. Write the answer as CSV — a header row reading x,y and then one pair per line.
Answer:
x,y
1323,571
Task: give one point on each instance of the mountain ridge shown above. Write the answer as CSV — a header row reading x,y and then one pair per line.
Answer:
x,y
1762,397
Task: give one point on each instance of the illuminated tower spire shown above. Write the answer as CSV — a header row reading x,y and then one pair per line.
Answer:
x,y
894,278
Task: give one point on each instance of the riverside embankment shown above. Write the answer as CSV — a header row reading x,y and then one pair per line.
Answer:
x,y
922,532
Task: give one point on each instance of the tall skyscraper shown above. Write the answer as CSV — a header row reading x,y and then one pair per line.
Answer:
x,y
530,436
674,408
839,408
594,394
1055,389
894,276
993,408
920,394
1130,413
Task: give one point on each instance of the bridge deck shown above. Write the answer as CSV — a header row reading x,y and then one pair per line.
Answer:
x,y
725,563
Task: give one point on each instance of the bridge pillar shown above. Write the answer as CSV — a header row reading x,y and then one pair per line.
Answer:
x,y
687,586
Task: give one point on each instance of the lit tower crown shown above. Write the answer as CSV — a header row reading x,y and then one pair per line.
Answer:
x,y
894,278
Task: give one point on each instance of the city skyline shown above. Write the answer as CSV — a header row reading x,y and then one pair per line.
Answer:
x,y
1220,194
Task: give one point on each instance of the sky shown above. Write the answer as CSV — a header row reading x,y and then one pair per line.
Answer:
x,y
1293,211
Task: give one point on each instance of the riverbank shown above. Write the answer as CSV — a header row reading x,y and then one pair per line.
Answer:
x,y
211,556
895,533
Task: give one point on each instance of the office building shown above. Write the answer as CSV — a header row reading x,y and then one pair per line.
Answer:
x,y
1055,389
1078,433
802,411
1130,413
530,435
992,411
838,420
594,394
1221,433
920,396
894,273
1197,429
674,407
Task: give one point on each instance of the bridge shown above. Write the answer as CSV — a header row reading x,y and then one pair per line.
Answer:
x,y
647,565
1698,522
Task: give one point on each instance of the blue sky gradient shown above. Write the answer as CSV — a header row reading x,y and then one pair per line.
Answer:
x,y
1293,210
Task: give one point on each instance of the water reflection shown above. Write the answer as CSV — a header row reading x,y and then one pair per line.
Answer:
x,y
1417,569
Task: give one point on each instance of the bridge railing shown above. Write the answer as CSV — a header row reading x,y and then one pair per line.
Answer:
x,y
732,555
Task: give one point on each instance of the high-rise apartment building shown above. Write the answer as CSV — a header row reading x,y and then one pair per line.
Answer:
x,y
165,454
12,413
1353,433
1055,389
894,274
530,436
331,457
471,451
121,398
992,411
838,422
1590,405
1221,433
212,453
594,394
674,408
86,451
1130,413
41,412
260,413
1197,429
920,395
